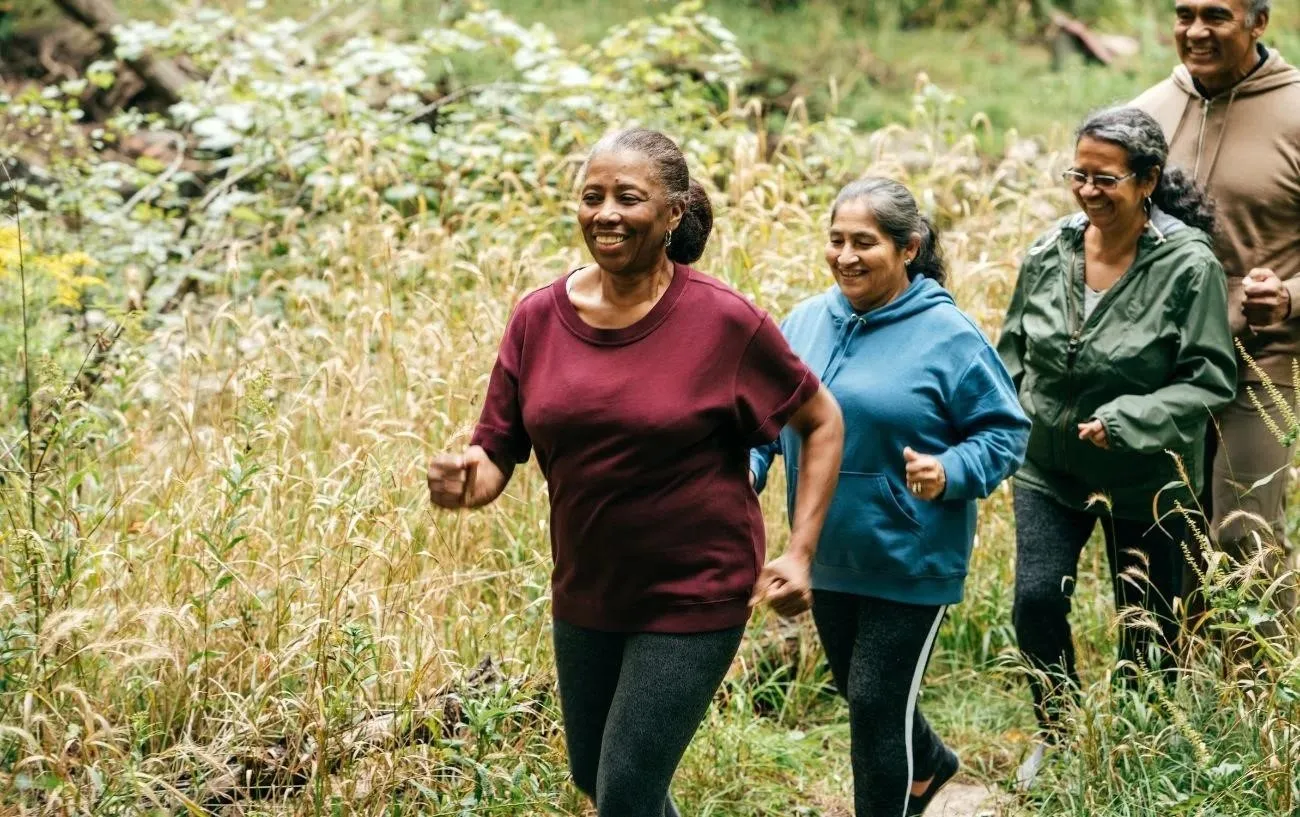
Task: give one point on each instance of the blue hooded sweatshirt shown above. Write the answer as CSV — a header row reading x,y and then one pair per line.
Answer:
x,y
915,372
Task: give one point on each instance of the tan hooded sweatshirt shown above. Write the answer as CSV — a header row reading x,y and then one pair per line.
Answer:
x,y
1244,145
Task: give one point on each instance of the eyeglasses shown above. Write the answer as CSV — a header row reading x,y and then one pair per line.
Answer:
x,y
1077,178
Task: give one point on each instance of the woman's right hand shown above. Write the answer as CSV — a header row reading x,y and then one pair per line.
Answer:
x,y
786,584
1094,432
468,480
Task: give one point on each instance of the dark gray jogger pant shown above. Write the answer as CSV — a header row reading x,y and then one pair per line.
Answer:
x,y
631,704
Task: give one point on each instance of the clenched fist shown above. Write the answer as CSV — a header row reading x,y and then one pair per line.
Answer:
x,y
1267,300
468,480
786,584
926,478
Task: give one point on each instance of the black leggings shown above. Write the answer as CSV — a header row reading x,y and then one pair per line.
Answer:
x,y
878,650
631,704
1049,539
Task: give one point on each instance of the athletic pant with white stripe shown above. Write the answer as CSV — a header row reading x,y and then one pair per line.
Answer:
x,y
878,650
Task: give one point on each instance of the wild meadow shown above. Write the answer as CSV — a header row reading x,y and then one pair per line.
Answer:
x,y
228,360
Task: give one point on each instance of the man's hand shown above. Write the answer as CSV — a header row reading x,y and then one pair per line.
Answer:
x,y
786,584
1267,301
926,478
1094,432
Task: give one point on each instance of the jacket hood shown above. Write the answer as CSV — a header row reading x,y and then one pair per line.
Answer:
x,y
921,294
1163,235
1275,73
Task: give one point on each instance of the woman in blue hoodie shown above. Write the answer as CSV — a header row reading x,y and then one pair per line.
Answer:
x,y
932,423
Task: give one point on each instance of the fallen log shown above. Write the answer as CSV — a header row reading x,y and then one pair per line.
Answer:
x,y
1100,48
161,75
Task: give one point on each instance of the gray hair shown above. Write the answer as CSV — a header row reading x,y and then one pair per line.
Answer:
x,y
1143,142
1257,7
894,208
692,234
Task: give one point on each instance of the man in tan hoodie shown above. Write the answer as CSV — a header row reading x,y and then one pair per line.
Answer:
x,y
1231,113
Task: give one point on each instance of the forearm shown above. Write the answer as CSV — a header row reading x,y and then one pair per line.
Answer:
x,y
489,479
1291,293
819,470
979,464
991,426
1170,418
1203,382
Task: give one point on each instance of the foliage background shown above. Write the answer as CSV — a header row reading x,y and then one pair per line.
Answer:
x,y
232,353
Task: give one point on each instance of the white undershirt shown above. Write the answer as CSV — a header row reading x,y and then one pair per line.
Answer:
x,y
1090,299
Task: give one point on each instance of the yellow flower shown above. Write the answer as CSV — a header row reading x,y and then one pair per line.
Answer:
x,y
8,250
68,271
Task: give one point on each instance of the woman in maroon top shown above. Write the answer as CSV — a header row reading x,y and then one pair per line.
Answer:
x,y
641,384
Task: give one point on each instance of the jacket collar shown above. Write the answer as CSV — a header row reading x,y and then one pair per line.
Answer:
x,y
1160,225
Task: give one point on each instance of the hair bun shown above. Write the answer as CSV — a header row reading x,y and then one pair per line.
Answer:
x,y
692,234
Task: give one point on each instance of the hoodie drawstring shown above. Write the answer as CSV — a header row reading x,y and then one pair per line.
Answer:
x,y
841,349
1200,139
1182,120
1223,135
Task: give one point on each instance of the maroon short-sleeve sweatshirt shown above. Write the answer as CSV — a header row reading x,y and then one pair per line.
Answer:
x,y
643,435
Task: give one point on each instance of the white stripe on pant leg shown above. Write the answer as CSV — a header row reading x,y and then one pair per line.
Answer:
x,y
910,715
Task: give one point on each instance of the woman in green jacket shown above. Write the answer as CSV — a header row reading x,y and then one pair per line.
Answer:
x,y
1117,340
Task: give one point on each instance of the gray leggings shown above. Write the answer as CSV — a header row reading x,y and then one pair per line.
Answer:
x,y
631,704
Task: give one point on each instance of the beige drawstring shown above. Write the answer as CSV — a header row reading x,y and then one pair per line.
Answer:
x,y
1182,120
1200,139
1223,135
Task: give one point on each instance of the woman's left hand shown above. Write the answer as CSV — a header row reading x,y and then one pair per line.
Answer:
x,y
926,478
1094,432
786,584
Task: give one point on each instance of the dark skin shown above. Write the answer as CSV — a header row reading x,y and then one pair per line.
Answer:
x,y
786,581
625,213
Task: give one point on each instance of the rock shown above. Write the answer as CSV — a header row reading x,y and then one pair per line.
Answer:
x,y
965,800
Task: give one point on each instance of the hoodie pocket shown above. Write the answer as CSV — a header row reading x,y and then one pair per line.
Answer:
x,y
868,527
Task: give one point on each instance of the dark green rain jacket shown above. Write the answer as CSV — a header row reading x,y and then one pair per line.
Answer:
x,y
1152,362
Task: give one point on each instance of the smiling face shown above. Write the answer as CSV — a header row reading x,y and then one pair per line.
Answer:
x,y
866,264
1119,207
624,212
1216,40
